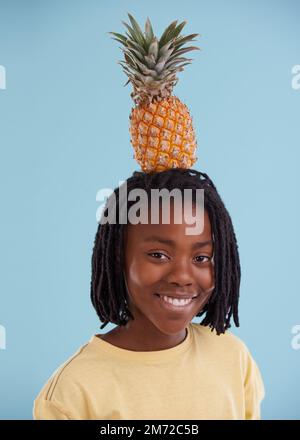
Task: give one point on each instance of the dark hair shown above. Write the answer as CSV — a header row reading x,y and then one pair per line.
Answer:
x,y
108,288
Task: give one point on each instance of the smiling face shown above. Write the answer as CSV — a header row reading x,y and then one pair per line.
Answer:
x,y
162,260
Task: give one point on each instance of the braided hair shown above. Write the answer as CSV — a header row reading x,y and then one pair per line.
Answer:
x,y
108,286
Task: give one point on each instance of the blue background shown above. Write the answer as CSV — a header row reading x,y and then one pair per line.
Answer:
x,y
64,135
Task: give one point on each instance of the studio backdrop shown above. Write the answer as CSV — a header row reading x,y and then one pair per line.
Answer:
x,y
64,138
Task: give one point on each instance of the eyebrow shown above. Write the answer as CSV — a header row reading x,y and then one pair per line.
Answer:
x,y
197,244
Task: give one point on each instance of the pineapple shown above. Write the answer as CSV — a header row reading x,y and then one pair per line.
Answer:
x,y
161,128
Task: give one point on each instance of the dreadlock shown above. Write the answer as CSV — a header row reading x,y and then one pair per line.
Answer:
x,y
108,288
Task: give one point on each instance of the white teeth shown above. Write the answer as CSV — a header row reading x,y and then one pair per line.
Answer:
x,y
176,301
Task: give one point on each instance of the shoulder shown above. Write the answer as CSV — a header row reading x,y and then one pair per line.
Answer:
x,y
63,396
227,338
230,350
70,374
223,341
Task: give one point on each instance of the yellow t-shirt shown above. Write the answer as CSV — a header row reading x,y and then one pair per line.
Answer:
x,y
206,376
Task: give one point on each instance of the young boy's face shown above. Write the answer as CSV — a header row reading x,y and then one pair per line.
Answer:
x,y
161,259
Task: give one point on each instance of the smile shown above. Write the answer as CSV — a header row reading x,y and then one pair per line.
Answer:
x,y
174,303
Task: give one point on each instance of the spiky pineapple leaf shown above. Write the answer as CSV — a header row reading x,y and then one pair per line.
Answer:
x,y
135,53
177,30
133,34
120,41
136,46
130,59
150,60
176,63
137,29
148,32
184,39
164,38
145,70
154,48
152,65
176,60
163,58
124,65
120,36
173,32
163,50
182,51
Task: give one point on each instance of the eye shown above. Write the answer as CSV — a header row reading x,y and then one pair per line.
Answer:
x,y
156,255
203,256
160,256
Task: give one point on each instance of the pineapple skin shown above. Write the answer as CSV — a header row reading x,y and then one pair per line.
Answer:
x,y
162,135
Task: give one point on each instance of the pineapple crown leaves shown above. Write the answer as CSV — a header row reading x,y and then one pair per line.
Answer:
x,y
151,64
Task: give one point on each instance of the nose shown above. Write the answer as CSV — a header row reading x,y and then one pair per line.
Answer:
x,y
180,273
